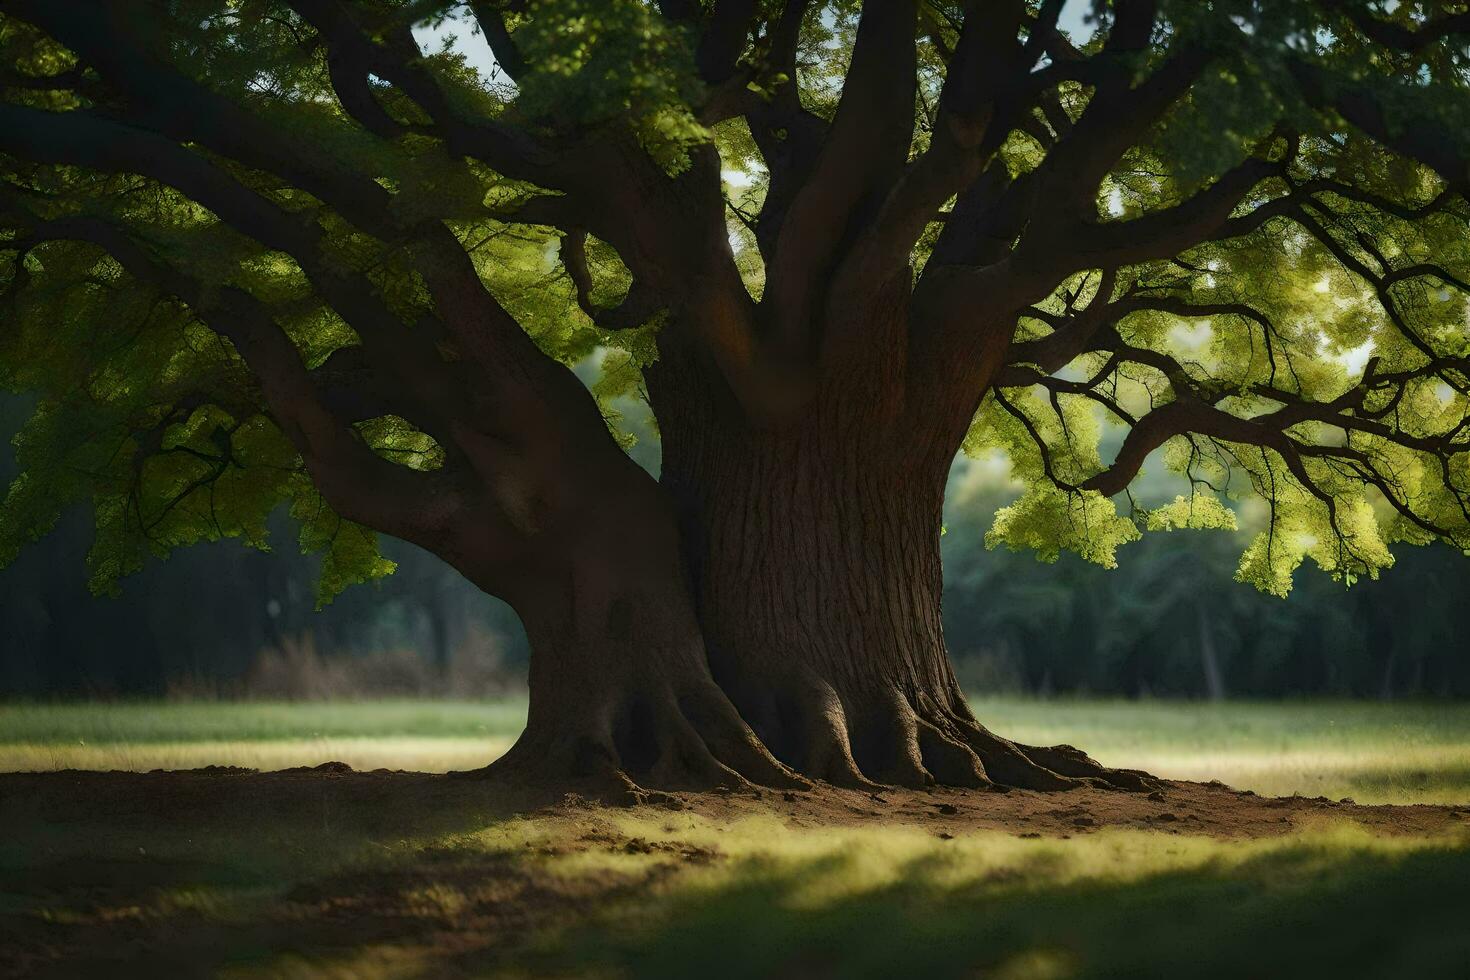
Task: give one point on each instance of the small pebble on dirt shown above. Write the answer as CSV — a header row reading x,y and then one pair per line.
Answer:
x,y
944,836
946,808
1167,817
1157,795
789,796
1083,822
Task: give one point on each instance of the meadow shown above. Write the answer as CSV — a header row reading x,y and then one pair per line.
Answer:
x,y
1373,752
325,874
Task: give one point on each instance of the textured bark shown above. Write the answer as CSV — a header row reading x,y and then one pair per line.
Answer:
x,y
621,697
814,552
818,584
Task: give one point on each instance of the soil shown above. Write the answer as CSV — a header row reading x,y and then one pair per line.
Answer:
x,y
421,803
77,901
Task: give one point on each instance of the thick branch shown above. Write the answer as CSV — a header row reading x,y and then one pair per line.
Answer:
x,y
637,306
986,94
490,15
1397,36
359,484
724,39
1170,231
1116,118
1421,139
862,155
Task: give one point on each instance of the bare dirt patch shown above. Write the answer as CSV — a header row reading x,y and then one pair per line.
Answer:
x,y
1202,809
383,801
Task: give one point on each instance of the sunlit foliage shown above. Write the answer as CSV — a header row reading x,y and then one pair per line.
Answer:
x,y
1314,357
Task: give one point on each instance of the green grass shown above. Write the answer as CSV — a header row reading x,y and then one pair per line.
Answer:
x,y
412,876
1115,905
1372,752
117,722
609,894
897,903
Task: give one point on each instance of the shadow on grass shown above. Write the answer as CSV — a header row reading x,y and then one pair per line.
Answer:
x,y
1296,911
271,825
184,874
418,913
323,874
1405,781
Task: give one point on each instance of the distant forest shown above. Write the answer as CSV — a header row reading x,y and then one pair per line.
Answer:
x,y
223,620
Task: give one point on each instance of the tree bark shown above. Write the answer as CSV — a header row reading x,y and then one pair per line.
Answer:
x,y
621,696
814,554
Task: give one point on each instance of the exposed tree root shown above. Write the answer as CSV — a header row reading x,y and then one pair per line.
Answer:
x,y
627,747
1054,767
630,744
897,740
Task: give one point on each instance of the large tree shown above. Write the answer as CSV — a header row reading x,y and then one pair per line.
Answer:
x,y
259,251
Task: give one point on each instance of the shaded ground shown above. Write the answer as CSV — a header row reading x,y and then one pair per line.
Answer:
x,y
330,872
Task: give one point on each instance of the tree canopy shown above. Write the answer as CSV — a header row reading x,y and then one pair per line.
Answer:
x,y
256,252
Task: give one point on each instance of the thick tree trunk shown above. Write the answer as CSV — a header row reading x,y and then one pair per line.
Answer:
x,y
818,584
776,598
621,696
814,553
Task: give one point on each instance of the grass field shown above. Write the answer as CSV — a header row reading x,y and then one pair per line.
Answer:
x,y
1372,752
378,877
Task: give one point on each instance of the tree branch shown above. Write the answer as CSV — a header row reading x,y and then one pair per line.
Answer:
x,y
637,306
359,484
490,15
862,155
1392,35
